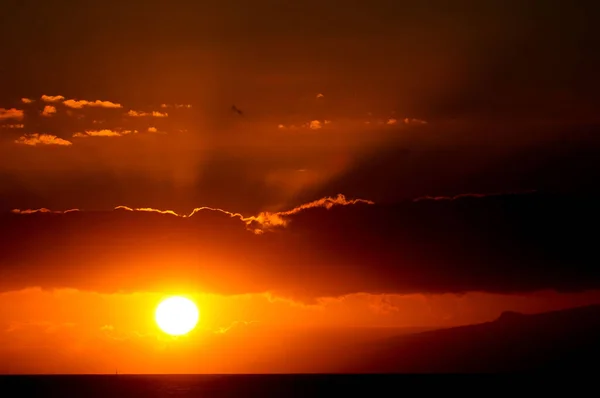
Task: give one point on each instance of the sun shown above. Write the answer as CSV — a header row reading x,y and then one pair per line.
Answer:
x,y
176,315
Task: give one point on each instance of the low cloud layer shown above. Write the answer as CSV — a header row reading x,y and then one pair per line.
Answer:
x,y
491,243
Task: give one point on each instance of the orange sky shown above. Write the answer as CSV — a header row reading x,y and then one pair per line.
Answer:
x,y
315,176
64,331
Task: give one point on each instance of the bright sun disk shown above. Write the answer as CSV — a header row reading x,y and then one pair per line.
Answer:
x,y
176,315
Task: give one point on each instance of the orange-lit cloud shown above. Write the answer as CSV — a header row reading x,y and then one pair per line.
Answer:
x,y
103,133
49,110
27,100
320,95
12,113
152,130
312,125
42,210
133,113
79,104
13,126
264,220
41,139
315,125
52,98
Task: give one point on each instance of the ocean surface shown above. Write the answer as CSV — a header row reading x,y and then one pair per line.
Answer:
x,y
204,386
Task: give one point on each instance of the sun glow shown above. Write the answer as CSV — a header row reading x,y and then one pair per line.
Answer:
x,y
176,315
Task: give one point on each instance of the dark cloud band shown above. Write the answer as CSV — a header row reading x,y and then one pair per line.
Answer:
x,y
495,243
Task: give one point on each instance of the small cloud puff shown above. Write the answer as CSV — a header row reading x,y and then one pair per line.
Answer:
x,y
41,139
26,100
152,130
49,110
315,125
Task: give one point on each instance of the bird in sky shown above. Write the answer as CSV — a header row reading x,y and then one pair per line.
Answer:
x,y
237,110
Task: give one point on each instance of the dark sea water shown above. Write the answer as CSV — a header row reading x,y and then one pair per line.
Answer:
x,y
206,386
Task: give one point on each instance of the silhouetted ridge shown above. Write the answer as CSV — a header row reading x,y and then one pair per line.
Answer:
x,y
510,316
557,341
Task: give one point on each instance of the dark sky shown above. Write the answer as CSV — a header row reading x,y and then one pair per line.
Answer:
x,y
433,58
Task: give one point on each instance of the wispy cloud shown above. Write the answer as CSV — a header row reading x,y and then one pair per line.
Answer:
x,y
104,133
42,210
12,113
312,125
52,98
49,110
133,113
13,126
152,130
176,106
265,220
41,139
79,104
26,100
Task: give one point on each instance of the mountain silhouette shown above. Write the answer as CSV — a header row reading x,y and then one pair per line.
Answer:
x,y
557,341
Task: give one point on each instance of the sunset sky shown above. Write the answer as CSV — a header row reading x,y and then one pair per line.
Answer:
x,y
397,164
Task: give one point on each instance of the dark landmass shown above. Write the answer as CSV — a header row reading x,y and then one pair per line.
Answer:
x,y
558,341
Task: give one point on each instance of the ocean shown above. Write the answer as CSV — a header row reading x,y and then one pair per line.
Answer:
x,y
197,386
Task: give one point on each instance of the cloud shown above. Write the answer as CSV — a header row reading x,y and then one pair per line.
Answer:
x,y
42,210
320,95
41,139
26,100
52,98
49,110
331,247
133,113
152,130
315,125
79,104
12,113
312,125
13,126
103,133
